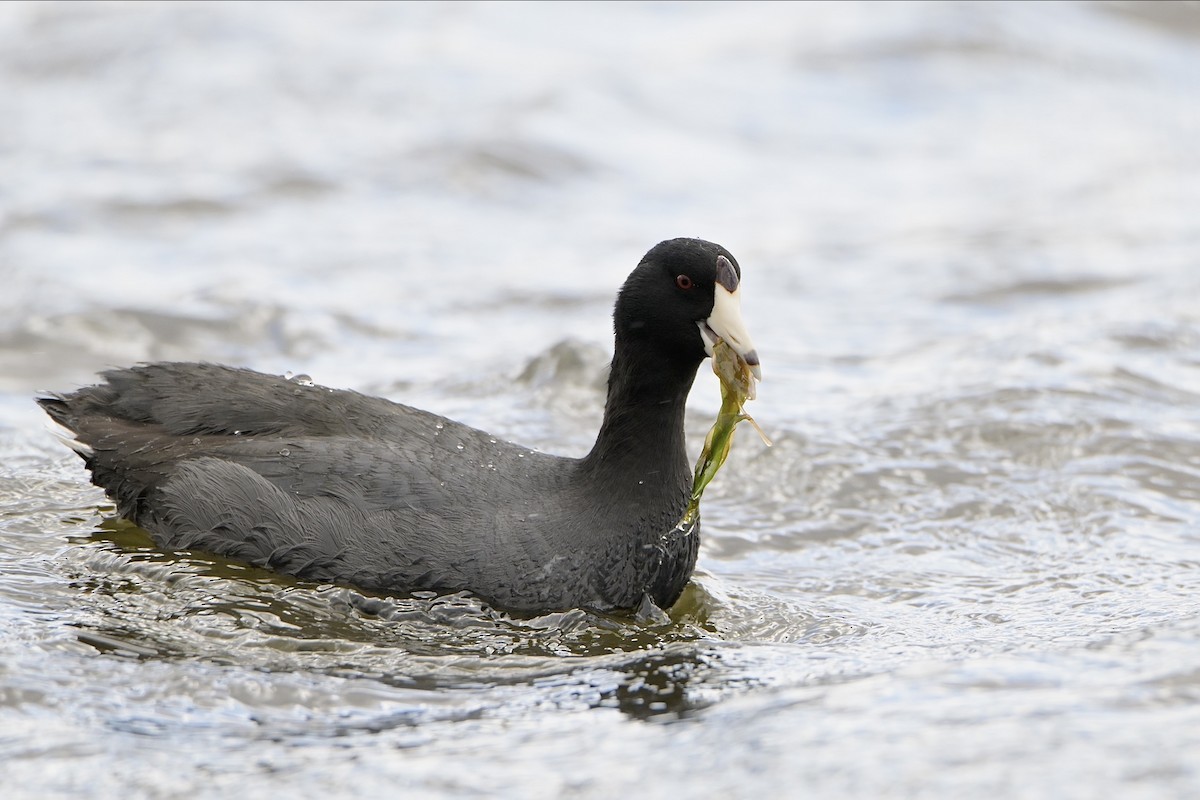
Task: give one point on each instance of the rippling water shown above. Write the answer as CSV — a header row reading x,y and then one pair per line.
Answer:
x,y
971,563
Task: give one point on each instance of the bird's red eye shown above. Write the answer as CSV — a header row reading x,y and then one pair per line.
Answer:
x,y
683,282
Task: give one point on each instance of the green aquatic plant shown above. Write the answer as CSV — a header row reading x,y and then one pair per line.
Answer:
x,y
737,386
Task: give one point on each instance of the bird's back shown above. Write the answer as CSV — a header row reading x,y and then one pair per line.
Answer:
x,y
325,484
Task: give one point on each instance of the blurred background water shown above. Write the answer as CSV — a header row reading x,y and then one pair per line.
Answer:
x,y
971,243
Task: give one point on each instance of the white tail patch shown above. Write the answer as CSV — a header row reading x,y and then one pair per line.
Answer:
x,y
67,437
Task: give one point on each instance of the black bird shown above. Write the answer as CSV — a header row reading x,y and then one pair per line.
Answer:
x,y
335,486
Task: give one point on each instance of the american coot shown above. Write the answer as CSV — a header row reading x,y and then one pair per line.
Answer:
x,y
334,486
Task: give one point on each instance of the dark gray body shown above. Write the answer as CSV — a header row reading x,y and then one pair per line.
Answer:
x,y
335,486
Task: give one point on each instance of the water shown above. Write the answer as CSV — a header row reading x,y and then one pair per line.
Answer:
x,y
969,566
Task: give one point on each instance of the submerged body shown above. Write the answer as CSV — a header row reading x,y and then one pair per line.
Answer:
x,y
335,486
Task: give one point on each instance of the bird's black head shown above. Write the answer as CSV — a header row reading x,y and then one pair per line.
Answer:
x,y
682,297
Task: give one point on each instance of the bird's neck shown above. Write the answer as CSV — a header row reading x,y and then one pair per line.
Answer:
x,y
642,432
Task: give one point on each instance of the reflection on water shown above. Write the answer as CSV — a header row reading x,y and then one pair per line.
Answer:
x,y
968,565
146,604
